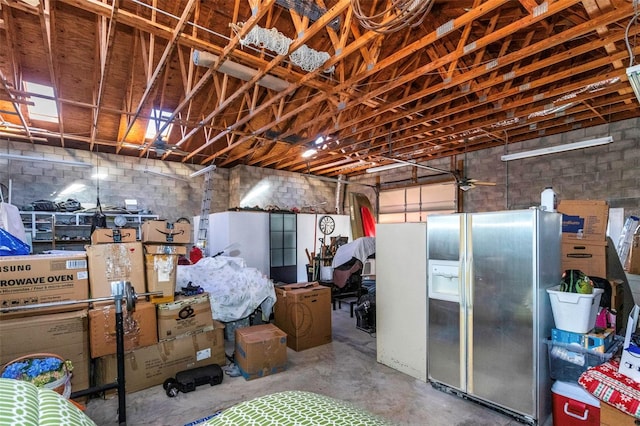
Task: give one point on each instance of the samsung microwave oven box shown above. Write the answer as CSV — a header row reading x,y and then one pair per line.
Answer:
x,y
43,278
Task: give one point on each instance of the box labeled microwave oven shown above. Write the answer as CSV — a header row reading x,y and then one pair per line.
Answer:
x,y
162,231
584,219
115,262
303,311
43,278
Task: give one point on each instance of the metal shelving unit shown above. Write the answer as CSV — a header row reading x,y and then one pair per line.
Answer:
x,y
69,231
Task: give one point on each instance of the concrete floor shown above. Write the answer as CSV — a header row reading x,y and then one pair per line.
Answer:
x,y
345,369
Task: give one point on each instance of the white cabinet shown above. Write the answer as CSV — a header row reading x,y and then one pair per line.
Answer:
x,y
401,297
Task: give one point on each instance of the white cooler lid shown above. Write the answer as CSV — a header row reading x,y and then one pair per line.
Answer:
x,y
575,392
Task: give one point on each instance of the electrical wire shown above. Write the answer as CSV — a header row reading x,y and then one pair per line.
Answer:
x,y
403,13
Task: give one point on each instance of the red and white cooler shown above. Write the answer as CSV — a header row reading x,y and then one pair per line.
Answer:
x,y
574,406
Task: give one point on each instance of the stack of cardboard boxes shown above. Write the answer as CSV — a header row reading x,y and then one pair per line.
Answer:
x,y
161,337
46,278
584,243
584,239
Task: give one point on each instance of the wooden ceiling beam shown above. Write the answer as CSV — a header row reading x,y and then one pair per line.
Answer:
x,y
106,37
465,19
464,120
313,29
171,45
470,123
363,40
505,60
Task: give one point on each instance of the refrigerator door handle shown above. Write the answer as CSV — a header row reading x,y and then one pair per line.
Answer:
x,y
468,291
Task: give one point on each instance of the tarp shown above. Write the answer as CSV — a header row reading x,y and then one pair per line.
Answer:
x,y
235,291
361,249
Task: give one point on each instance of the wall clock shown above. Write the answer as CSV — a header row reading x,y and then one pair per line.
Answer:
x,y
327,225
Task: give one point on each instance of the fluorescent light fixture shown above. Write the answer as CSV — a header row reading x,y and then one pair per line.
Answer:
x,y
164,175
206,59
202,171
308,153
44,160
386,167
558,148
633,73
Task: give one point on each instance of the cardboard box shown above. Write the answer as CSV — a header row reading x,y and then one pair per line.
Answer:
x,y
120,235
165,249
595,340
584,219
161,262
303,311
261,350
140,328
43,278
115,262
587,256
187,314
617,301
630,361
64,334
162,231
161,275
611,416
152,365
634,261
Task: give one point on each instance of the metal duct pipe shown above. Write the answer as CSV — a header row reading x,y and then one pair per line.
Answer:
x,y
206,59
339,194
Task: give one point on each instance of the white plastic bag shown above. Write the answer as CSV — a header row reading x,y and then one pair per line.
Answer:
x,y
11,221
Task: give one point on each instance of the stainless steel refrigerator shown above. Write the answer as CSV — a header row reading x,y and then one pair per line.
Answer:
x,y
488,308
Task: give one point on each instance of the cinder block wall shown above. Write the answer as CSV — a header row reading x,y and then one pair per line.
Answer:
x,y
125,178
609,172
275,189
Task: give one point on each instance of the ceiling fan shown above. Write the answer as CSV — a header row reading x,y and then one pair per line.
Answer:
x,y
160,174
161,147
465,183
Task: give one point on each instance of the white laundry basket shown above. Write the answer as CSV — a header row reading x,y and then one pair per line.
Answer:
x,y
573,311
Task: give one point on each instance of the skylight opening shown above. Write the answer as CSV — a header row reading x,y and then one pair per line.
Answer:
x,y
156,121
44,107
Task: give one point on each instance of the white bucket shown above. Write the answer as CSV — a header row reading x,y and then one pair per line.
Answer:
x,y
548,200
573,311
326,273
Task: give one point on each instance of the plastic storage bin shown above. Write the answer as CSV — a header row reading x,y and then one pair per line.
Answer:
x,y
573,311
568,361
574,406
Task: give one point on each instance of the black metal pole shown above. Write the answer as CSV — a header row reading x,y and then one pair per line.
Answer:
x,y
122,405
